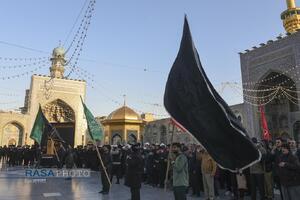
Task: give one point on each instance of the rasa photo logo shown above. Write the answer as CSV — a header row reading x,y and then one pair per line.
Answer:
x,y
57,173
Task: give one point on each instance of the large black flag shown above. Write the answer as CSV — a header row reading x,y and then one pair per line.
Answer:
x,y
192,101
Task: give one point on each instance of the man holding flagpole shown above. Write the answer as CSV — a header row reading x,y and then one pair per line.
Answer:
x,y
96,134
105,169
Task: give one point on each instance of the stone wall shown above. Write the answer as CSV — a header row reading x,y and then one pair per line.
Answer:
x,y
280,56
160,131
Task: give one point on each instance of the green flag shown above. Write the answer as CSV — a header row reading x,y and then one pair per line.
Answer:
x,y
95,129
38,127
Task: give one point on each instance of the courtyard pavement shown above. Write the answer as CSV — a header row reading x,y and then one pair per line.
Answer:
x,y
13,187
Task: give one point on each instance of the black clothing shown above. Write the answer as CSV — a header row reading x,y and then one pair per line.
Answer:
x,y
116,165
135,193
257,181
105,183
134,172
106,158
180,192
289,174
133,177
70,159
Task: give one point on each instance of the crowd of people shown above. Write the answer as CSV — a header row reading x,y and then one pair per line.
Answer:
x,y
191,170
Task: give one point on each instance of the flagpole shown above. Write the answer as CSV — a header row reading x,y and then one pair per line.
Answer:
x,y
54,130
169,156
55,150
99,156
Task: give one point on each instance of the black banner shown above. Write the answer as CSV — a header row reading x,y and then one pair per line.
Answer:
x,y
192,101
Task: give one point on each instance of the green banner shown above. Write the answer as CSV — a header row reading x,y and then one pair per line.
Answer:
x,y
95,129
38,127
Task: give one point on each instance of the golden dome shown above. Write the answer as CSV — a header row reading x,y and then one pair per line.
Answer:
x,y
124,113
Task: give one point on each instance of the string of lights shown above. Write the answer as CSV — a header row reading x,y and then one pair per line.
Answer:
x,y
88,76
272,77
83,21
294,79
23,47
293,101
152,104
289,96
253,85
9,102
22,74
100,91
256,97
252,90
77,18
82,38
84,73
112,99
9,94
261,102
24,65
87,19
22,59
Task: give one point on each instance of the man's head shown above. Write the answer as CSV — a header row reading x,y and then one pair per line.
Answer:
x,y
135,148
176,148
278,142
105,149
292,144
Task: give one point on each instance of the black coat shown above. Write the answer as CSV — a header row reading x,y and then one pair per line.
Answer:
x,y
107,162
70,159
135,169
289,174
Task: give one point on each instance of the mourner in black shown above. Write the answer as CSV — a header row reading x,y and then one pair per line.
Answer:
x,y
116,164
134,172
106,158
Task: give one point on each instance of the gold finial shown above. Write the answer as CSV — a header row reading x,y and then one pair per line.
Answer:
x,y
291,4
291,17
124,96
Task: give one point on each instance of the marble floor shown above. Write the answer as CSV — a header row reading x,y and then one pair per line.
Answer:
x,y
14,187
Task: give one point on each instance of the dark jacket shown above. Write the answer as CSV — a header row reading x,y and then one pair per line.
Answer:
x,y
107,162
135,169
289,174
268,162
70,159
298,154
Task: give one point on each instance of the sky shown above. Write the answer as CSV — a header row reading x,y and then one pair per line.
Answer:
x,y
131,45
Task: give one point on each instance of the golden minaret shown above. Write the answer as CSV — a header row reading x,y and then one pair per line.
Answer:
x,y
291,17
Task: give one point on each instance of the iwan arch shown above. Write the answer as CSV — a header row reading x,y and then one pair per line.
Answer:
x,y
60,100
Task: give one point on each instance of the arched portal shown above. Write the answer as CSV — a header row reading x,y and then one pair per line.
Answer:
x,y
12,133
116,139
12,142
277,93
62,117
132,137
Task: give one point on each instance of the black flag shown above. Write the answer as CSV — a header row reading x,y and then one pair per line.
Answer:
x,y
192,101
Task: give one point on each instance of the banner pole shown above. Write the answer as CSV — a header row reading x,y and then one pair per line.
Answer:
x,y
55,150
169,157
99,156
